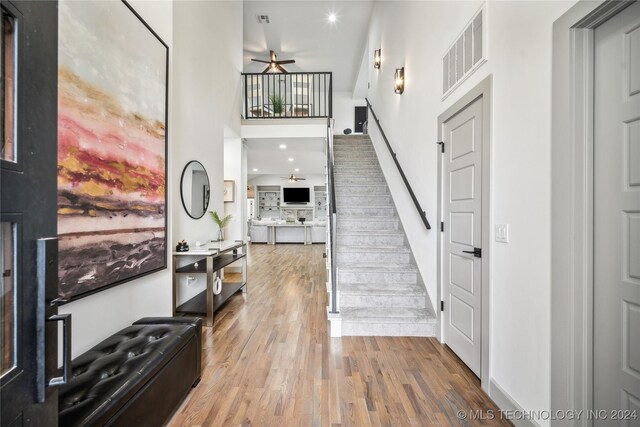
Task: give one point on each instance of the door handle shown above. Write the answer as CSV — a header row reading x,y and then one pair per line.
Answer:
x,y
476,252
66,349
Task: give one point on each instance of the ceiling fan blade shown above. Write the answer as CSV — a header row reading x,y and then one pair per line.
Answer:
x,y
286,61
272,55
266,70
301,179
260,60
282,70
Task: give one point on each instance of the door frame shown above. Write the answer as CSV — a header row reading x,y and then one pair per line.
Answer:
x,y
572,204
481,91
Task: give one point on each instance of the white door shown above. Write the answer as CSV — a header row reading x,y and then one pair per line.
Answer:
x,y
616,363
462,207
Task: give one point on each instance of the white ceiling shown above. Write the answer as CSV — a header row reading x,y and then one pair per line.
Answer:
x,y
266,155
300,30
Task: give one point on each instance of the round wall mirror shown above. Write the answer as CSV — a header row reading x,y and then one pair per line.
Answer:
x,y
194,189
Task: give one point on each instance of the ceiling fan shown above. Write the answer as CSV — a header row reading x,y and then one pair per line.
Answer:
x,y
293,178
274,65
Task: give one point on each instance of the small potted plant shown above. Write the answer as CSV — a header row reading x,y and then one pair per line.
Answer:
x,y
277,104
221,222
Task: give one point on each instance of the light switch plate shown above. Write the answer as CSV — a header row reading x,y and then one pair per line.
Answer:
x,y
502,233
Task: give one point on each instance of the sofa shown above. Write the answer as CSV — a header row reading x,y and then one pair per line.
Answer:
x,y
136,377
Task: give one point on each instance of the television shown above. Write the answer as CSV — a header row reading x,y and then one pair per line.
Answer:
x,y
295,195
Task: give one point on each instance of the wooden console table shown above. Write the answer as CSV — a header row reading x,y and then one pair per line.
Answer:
x,y
209,261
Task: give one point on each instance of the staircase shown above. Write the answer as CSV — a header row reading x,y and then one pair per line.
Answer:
x,y
380,288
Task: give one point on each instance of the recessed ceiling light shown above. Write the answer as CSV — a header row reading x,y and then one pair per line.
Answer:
x,y
297,169
255,170
332,17
283,146
290,159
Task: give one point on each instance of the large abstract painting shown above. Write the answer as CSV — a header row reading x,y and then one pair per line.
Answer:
x,y
112,101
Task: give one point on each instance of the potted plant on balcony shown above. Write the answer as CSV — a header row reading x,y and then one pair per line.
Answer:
x,y
221,222
277,104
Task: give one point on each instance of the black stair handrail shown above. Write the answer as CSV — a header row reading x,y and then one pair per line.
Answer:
x,y
422,213
333,228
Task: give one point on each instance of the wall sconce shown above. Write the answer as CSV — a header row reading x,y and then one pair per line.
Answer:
x,y
377,58
398,85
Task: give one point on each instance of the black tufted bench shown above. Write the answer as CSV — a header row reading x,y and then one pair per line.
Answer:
x,y
136,377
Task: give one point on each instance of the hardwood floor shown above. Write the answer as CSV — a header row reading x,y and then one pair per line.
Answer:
x,y
268,361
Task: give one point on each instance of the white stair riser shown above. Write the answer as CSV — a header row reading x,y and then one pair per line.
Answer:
x,y
381,288
388,329
369,300
368,224
350,172
377,200
344,178
372,211
371,239
372,257
356,161
349,156
361,189
376,276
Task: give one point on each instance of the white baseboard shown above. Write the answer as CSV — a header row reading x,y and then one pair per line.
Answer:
x,y
335,324
506,403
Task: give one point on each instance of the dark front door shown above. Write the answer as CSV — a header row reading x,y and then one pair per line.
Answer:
x,y
361,117
28,99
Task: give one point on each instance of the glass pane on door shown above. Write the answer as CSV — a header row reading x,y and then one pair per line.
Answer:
x,y
7,297
8,32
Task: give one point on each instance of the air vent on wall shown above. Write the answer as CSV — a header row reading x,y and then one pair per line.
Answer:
x,y
464,55
263,19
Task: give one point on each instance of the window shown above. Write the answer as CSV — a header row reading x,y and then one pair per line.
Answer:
x,y
8,87
7,297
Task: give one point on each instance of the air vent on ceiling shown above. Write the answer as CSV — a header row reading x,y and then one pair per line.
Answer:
x,y
464,55
263,19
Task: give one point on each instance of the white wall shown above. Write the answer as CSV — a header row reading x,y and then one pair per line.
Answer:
x,y
207,105
343,111
204,96
519,57
235,170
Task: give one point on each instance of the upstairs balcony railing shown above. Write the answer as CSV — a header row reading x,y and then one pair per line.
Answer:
x,y
288,95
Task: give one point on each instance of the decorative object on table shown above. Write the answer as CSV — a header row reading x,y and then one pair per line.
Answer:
x,y
182,246
217,287
229,190
112,114
302,220
221,222
195,189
